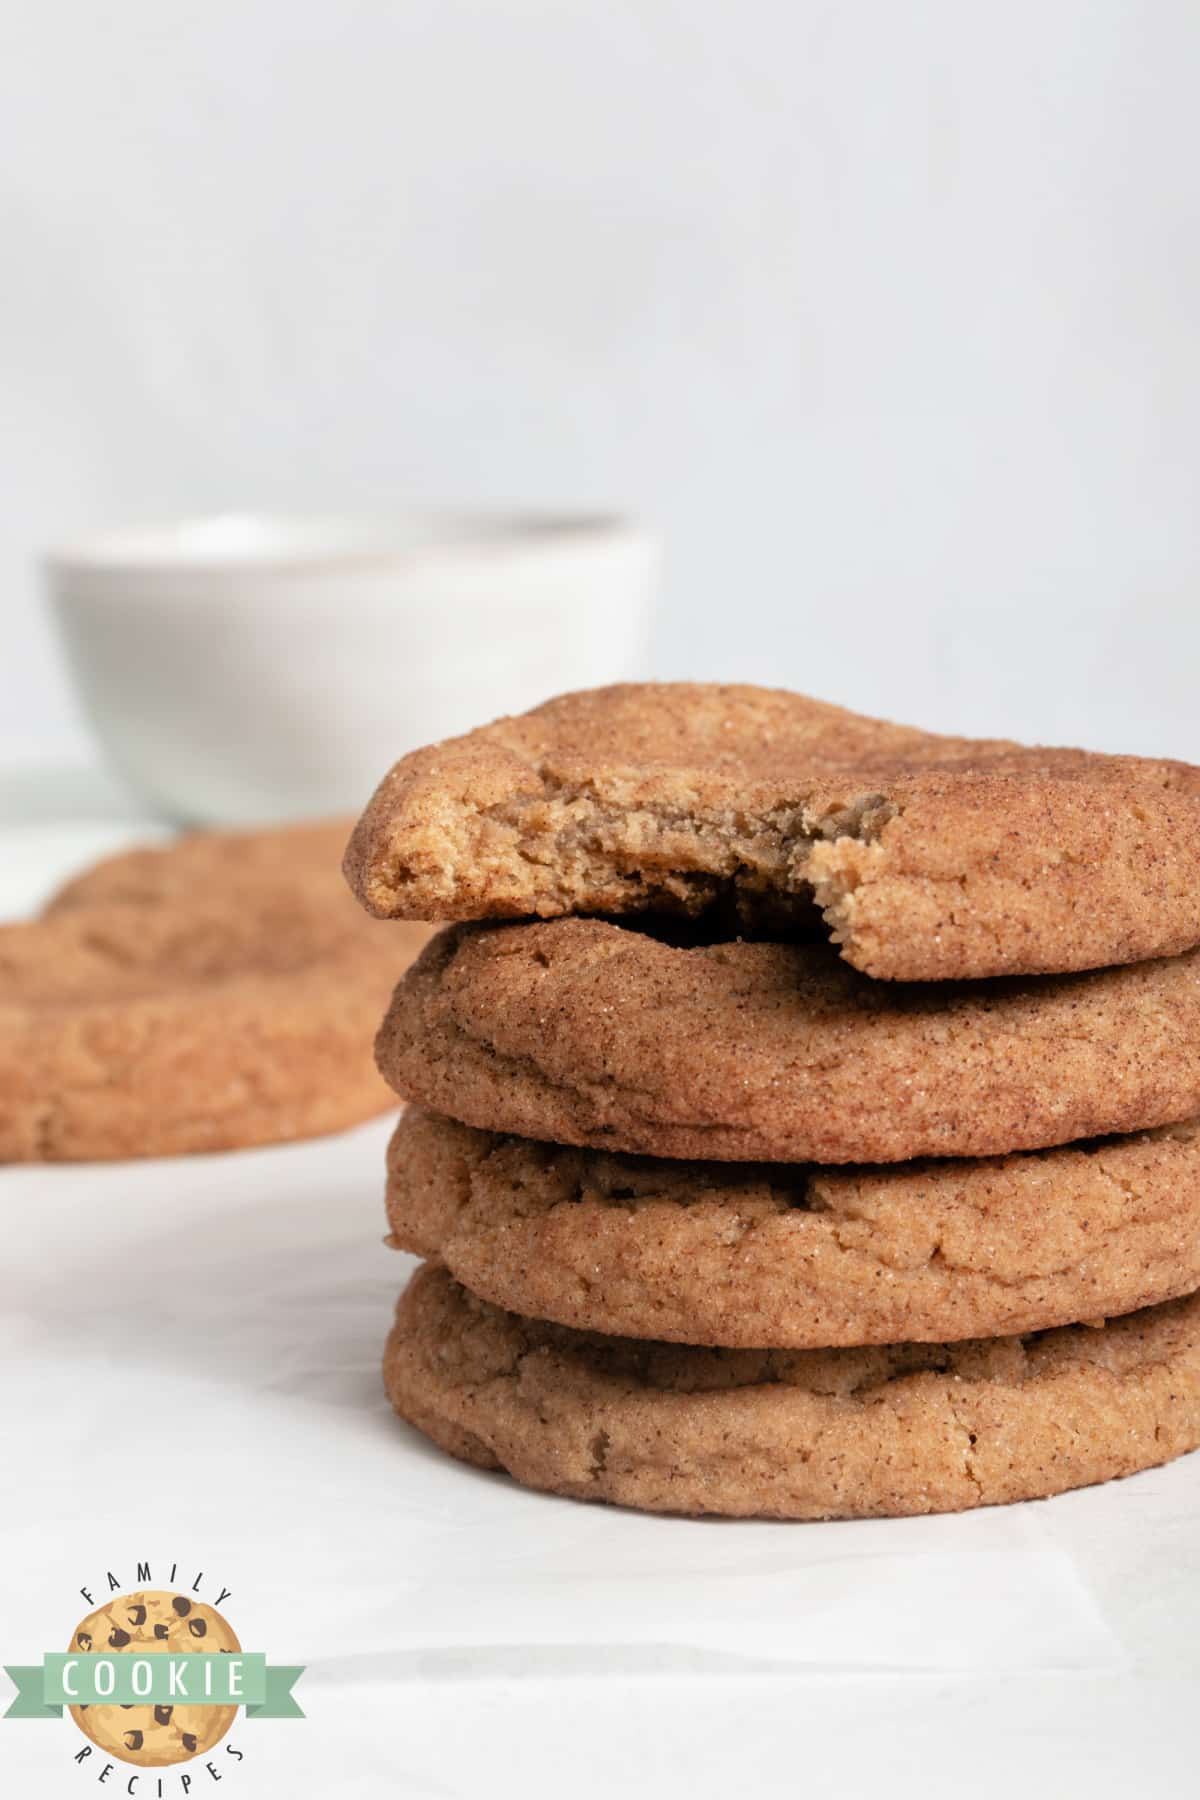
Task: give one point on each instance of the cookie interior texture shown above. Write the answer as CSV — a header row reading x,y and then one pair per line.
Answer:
x,y
213,993
799,1434
580,1031
745,1255
929,857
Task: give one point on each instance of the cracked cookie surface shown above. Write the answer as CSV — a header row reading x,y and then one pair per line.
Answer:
x,y
582,1032
794,1434
218,992
744,1255
931,858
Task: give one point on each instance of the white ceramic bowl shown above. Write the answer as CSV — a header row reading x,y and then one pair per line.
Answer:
x,y
239,669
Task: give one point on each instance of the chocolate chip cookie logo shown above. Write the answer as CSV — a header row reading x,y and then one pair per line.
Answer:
x,y
155,1677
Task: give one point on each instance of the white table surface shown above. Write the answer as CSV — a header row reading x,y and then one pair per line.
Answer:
x,y
190,1354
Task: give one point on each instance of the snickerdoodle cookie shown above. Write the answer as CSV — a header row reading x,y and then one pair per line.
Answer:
x,y
747,1255
931,858
236,867
795,1434
583,1032
216,993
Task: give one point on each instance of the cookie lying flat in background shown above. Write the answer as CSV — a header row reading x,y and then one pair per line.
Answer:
x,y
744,1255
931,858
794,1434
233,868
583,1032
209,995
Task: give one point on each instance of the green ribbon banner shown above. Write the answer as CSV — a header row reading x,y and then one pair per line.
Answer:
x,y
240,1678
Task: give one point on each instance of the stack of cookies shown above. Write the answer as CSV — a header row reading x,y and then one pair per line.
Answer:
x,y
822,1139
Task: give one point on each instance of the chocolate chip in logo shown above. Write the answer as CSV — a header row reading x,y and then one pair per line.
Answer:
x,y
137,1615
182,1607
160,1631
118,1638
189,1740
125,1705
133,1740
198,1627
162,1715
83,1639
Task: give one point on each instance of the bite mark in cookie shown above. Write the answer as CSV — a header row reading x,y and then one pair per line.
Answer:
x,y
931,858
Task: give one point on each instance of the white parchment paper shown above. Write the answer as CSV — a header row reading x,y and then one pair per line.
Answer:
x,y
190,1354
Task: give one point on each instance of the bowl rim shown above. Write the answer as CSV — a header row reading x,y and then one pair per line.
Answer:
x,y
264,544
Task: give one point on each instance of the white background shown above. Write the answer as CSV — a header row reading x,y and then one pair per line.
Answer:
x,y
885,313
